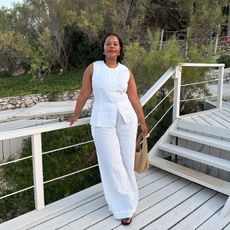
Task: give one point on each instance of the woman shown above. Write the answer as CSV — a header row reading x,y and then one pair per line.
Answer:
x,y
115,111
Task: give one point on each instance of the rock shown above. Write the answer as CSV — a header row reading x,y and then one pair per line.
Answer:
x,y
13,101
10,106
29,102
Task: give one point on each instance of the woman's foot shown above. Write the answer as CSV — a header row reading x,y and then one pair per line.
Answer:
x,y
126,221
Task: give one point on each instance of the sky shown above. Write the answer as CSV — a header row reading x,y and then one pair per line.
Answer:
x,y
9,3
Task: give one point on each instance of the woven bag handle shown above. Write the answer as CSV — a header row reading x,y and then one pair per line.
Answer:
x,y
139,141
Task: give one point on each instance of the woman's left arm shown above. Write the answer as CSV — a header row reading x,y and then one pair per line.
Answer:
x,y
134,99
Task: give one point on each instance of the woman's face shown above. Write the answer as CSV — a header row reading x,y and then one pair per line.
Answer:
x,y
112,47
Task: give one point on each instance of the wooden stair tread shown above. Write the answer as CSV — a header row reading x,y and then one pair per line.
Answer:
x,y
193,175
217,143
196,156
204,129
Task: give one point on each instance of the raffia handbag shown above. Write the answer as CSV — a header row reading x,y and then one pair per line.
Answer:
x,y
141,156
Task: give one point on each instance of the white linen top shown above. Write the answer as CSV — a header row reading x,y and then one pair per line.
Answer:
x,y
110,95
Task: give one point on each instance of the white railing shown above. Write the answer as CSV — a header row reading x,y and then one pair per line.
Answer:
x,y
36,132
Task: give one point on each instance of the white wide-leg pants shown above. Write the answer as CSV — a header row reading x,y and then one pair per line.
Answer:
x,y
115,148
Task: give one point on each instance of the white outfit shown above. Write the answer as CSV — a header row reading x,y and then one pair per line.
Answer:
x,y
114,128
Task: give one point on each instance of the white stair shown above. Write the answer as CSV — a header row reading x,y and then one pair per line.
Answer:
x,y
196,156
193,175
181,139
217,143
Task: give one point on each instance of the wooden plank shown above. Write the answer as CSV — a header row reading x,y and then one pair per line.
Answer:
x,y
226,110
212,122
200,120
222,115
81,211
214,171
182,142
210,141
198,147
193,120
185,117
223,174
220,120
53,209
159,209
204,129
66,228
151,178
227,227
156,196
215,222
156,185
64,205
182,210
151,170
92,218
196,156
203,213
193,175
189,145
82,216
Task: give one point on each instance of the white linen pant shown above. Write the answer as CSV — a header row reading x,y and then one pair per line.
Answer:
x,y
115,148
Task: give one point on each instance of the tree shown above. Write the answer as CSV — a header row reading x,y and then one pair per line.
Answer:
x,y
61,19
205,20
228,27
14,50
125,18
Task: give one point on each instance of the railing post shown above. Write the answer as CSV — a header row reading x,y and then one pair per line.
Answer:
x,y
38,172
220,87
176,96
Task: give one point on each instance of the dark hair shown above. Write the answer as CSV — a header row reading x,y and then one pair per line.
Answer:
x,y
121,56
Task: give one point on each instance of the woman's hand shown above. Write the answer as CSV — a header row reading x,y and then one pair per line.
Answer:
x,y
144,129
72,120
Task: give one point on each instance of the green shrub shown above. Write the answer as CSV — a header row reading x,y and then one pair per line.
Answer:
x,y
225,59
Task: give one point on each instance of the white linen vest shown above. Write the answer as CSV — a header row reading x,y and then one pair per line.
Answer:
x,y
110,95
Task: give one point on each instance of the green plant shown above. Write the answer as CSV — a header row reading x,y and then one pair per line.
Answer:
x,y
225,59
52,84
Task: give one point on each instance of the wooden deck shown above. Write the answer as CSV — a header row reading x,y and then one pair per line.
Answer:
x,y
219,118
166,201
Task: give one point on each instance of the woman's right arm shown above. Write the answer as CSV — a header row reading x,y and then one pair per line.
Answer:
x,y
84,94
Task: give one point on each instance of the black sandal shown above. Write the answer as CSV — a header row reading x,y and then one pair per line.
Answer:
x,y
126,221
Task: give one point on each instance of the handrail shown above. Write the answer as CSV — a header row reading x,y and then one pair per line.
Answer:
x,y
145,98
40,129
201,65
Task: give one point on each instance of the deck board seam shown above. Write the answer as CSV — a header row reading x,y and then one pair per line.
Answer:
x,y
138,179
215,213
222,117
152,221
195,209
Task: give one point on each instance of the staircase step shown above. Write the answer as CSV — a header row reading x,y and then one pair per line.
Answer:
x,y
193,175
204,129
196,156
217,143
